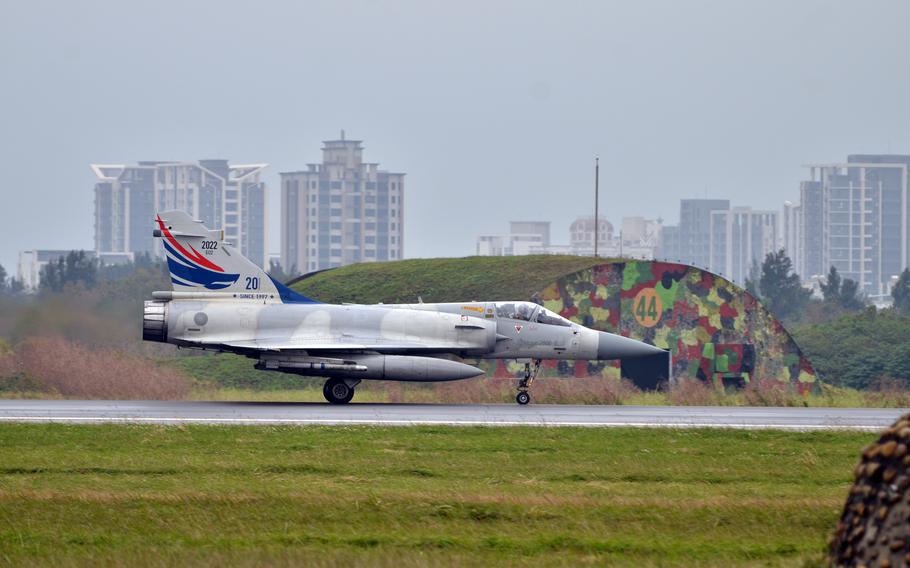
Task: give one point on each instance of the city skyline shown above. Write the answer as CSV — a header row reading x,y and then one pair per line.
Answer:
x,y
728,101
709,246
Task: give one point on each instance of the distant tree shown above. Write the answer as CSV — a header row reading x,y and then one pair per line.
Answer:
x,y
752,279
141,262
780,287
81,268
16,286
901,292
844,293
851,297
51,278
848,351
831,286
3,284
276,271
145,260
76,268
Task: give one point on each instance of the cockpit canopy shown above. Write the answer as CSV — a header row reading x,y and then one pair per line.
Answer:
x,y
529,311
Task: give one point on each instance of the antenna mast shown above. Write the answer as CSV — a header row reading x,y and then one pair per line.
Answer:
x,y
596,203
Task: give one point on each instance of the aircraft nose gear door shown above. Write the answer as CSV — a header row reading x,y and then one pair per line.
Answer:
x,y
524,397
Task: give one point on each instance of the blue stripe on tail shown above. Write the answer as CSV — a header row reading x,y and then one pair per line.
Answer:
x,y
289,296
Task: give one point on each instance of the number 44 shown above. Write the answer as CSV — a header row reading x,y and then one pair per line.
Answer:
x,y
649,312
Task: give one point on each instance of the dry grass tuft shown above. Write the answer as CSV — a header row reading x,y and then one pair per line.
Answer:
x,y
770,392
690,392
56,365
551,390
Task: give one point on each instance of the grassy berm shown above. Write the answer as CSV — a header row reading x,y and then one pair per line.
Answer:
x,y
336,496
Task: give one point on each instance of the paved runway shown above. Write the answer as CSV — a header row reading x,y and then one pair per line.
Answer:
x,y
445,414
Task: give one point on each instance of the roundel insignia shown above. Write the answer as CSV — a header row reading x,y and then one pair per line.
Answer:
x,y
647,307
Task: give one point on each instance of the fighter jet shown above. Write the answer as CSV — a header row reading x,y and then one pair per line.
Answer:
x,y
221,301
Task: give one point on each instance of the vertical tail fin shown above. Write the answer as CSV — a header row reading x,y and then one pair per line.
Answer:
x,y
200,260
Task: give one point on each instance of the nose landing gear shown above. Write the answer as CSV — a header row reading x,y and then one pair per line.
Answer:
x,y
524,384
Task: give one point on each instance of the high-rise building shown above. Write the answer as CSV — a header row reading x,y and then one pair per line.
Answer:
x,y
668,247
791,233
855,218
223,196
690,241
341,211
740,238
695,229
809,258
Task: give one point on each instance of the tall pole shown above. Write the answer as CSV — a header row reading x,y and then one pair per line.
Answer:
x,y
596,203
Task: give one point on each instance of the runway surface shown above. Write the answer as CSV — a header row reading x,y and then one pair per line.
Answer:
x,y
170,412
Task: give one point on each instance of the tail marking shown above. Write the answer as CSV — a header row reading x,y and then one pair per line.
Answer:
x,y
194,256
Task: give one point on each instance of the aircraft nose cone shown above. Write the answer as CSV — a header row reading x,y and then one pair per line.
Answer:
x,y
611,346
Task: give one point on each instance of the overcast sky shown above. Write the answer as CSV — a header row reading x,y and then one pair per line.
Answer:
x,y
495,110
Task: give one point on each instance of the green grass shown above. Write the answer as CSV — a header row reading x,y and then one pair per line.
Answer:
x,y
442,279
335,496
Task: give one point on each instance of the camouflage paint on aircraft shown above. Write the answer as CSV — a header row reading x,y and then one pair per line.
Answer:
x,y
715,330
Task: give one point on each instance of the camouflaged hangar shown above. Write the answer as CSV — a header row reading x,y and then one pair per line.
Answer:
x,y
714,330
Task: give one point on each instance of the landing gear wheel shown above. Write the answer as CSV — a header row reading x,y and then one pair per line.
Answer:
x,y
524,397
337,391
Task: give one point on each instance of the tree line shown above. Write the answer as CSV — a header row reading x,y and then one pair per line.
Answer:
x,y
780,289
78,269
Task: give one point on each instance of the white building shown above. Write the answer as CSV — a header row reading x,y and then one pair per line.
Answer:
x,y
524,237
581,236
223,196
741,237
341,211
640,239
854,216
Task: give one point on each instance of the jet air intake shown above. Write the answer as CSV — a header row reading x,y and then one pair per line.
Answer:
x,y
154,321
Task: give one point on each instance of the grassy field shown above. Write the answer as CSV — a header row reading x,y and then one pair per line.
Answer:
x,y
335,496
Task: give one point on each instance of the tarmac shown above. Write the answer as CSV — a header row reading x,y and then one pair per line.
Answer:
x,y
252,413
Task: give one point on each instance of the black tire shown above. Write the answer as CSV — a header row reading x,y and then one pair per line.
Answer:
x,y
336,391
522,398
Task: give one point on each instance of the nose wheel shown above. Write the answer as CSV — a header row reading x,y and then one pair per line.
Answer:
x,y
524,384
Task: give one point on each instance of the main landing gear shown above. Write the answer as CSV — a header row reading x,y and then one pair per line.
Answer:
x,y
337,391
524,384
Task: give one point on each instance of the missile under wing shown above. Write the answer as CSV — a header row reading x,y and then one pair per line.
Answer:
x,y
223,302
